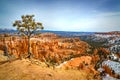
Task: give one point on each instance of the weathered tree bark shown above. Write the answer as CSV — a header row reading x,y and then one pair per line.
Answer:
x,y
29,53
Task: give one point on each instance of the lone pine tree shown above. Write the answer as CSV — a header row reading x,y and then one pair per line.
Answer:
x,y
28,26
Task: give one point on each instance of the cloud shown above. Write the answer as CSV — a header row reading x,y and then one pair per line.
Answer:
x,y
64,15
100,22
108,14
108,21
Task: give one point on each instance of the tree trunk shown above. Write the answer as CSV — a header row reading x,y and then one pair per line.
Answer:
x,y
29,53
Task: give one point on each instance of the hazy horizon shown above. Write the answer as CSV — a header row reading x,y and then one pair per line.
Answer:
x,y
64,15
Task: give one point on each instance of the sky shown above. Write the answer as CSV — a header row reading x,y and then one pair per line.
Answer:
x,y
64,15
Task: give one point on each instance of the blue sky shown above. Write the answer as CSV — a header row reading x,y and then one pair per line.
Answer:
x,y
64,15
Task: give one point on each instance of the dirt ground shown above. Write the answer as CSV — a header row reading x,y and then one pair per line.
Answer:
x,y
25,70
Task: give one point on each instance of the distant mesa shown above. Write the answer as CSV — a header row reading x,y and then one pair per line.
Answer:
x,y
109,33
49,35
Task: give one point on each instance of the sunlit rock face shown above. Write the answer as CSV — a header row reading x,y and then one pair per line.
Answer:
x,y
68,53
77,62
113,65
47,46
57,48
80,63
108,77
111,42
